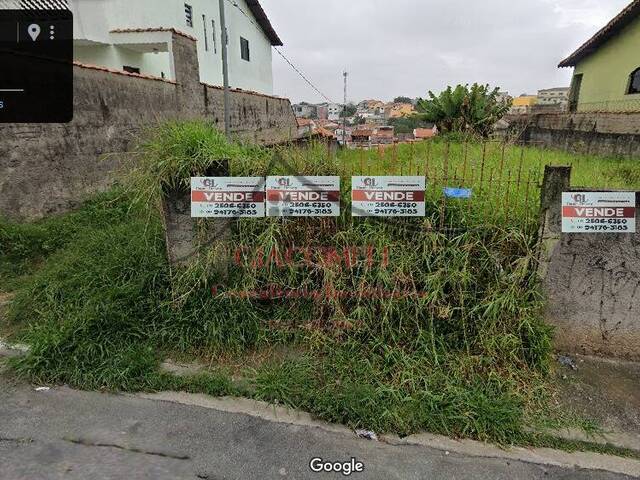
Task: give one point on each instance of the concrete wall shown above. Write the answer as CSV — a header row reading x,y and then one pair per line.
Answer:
x,y
614,134
592,281
47,169
95,19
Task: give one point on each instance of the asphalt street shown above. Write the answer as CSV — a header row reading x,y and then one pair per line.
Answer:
x,y
65,434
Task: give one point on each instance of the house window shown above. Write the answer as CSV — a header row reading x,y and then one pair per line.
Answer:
x,y
215,41
131,69
188,13
244,49
206,36
634,82
574,94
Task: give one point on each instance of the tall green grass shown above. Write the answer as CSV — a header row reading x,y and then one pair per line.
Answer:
x,y
466,357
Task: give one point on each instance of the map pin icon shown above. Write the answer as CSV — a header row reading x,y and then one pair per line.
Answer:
x,y
34,31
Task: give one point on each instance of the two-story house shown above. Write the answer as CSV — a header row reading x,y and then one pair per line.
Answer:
x,y
134,35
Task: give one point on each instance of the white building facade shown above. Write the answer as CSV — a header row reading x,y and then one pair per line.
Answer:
x,y
554,96
334,111
135,36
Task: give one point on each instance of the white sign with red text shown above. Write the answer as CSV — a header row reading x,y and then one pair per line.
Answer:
x,y
303,196
227,197
388,196
599,212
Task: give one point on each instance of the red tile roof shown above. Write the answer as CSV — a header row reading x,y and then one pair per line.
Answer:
x,y
624,18
423,133
324,132
304,122
362,133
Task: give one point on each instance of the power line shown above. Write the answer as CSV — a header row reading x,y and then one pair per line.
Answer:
x,y
296,69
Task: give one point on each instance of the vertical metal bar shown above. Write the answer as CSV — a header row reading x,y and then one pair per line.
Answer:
x,y
520,169
428,158
507,195
445,171
526,196
484,157
411,154
394,156
464,165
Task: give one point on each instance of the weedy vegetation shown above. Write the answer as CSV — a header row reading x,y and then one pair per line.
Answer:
x,y
468,356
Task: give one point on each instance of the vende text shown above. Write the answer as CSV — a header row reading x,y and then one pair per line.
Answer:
x,y
594,212
367,196
231,197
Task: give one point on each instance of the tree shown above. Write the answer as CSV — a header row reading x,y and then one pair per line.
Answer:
x,y
403,100
473,109
349,111
408,124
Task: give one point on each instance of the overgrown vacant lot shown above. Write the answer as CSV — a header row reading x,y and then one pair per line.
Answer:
x,y
457,346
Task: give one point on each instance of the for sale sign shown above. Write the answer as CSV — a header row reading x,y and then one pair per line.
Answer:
x,y
227,197
388,196
599,212
303,196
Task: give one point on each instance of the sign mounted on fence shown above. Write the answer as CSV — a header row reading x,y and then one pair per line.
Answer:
x,y
464,193
303,196
599,212
388,196
227,197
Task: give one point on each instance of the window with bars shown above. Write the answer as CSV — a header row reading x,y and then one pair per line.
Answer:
x,y
634,82
188,13
244,49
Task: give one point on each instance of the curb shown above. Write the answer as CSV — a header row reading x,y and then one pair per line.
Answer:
x,y
278,414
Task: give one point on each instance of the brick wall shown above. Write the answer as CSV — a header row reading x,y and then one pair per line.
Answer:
x,y
48,169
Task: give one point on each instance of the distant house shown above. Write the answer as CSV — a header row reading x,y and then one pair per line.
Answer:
x,y
306,127
383,135
523,104
362,137
552,100
371,110
305,110
135,36
322,112
333,111
607,67
425,133
399,110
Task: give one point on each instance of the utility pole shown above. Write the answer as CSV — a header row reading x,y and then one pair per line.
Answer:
x,y
225,72
344,112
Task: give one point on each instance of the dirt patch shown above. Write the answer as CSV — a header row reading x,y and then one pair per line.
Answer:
x,y
5,298
607,391
5,329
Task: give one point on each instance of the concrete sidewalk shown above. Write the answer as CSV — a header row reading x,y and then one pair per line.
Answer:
x,y
66,434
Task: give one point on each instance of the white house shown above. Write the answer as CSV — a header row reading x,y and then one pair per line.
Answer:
x,y
135,36
334,111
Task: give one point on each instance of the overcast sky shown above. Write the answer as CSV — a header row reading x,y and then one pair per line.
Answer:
x,y
407,47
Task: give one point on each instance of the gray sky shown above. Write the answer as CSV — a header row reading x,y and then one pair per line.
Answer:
x,y
407,47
